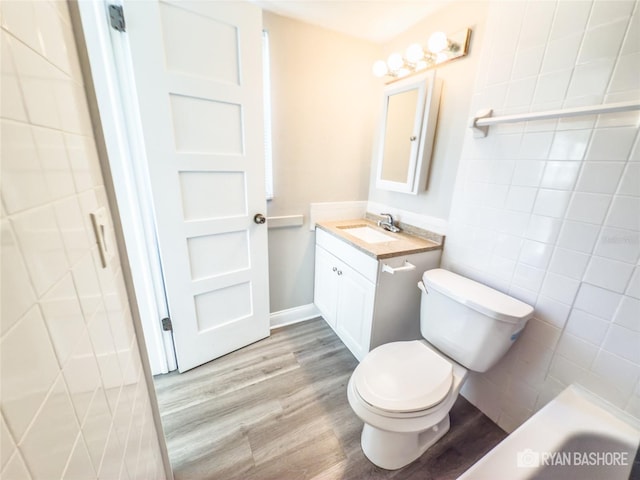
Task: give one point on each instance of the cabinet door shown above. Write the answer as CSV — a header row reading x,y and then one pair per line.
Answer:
x,y
326,285
355,310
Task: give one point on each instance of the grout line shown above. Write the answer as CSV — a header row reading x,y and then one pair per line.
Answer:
x,y
40,407
618,55
29,123
18,454
41,55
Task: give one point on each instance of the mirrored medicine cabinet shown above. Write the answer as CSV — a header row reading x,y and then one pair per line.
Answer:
x,y
407,129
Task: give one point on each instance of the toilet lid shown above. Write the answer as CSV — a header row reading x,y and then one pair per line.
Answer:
x,y
403,377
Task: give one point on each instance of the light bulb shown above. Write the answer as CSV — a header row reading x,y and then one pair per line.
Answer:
x,y
441,57
395,61
437,42
380,68
414,53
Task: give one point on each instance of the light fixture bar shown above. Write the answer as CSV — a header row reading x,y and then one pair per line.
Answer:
x,y
440,49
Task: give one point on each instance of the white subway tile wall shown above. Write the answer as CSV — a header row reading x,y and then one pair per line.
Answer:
x,y
567,195
74,400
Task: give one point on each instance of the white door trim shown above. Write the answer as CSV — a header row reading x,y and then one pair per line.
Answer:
x,y
110,68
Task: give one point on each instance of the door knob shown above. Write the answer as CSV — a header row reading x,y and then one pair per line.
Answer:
x,y
259,218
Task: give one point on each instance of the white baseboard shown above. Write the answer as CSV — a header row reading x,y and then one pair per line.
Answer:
x,y
293,315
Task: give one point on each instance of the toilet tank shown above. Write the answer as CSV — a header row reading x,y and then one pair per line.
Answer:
x,y
471,323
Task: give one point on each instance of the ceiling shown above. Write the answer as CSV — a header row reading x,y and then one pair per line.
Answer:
x,y
375,20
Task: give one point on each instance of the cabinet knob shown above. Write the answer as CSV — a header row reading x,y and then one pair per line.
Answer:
x,y
339,272
335,269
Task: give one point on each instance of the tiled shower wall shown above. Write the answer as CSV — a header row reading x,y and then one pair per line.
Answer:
x,y
74,399
549,211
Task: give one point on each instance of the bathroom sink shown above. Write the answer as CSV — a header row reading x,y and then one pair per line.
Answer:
x,y
367,234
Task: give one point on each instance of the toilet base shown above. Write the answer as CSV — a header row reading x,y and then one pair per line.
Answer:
x,y
393,450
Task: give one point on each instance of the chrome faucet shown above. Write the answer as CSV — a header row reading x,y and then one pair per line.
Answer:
x,y
388,224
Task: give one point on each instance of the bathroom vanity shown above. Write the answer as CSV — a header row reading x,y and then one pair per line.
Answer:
x,y
366,281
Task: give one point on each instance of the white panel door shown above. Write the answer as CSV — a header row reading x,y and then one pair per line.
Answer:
x,y
197,68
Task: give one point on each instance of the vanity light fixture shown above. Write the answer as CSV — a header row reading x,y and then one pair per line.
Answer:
x,y
440,49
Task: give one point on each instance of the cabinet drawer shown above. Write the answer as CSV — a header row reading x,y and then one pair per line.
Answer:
x,y
361,262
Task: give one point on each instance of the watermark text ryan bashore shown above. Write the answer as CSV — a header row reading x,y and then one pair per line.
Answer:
x,y
529,458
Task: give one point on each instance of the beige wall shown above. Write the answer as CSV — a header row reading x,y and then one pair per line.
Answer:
x,y
324,102
326,107
74,399
457,90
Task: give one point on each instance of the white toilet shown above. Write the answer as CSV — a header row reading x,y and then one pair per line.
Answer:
x,y
403,391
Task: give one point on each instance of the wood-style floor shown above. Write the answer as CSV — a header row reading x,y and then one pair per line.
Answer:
x,y
278,409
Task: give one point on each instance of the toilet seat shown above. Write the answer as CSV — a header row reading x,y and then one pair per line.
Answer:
x,y
403,377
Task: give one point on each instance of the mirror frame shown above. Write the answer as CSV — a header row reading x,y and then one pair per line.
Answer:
x,y
426,116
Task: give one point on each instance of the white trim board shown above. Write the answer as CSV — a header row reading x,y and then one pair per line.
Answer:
x,y
293,315
108,57
285,221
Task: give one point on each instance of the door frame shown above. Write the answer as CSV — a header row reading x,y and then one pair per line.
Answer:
x,y
112,77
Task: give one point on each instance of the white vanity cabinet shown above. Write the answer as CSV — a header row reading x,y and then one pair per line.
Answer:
x,y
364,304
344,295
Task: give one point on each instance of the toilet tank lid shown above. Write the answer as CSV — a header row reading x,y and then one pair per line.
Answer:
x,y
477,296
